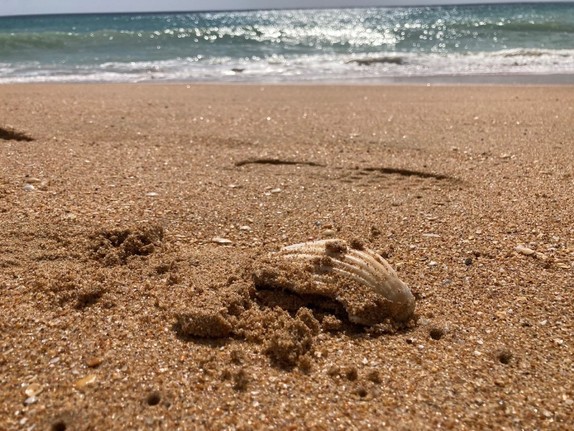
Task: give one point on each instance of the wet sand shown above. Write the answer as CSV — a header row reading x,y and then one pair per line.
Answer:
x,y
134,217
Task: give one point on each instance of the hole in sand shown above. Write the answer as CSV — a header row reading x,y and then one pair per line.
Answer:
x,y
240,381
352,374
374,377
88,298
153,398
436,333
504,356
58,426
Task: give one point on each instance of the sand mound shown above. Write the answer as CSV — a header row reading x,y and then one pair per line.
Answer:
x,y
116,246
215,313
264,307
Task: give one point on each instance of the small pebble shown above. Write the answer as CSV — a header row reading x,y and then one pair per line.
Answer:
x,y
33,389
29,188
423,321
432,263
94,361
524,250
277,190
245,228
221,241
152,194
30,400
328,233
85,381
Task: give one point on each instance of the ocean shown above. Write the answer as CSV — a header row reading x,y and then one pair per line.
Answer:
x,y
326,45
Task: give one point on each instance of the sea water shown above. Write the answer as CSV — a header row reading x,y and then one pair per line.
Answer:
x,y
367,44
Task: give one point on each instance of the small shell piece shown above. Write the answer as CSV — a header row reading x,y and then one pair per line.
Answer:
x,y
352,275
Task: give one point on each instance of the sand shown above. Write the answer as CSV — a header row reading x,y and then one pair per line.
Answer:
x,y
133,219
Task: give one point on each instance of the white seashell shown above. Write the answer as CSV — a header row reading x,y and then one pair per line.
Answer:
x,y
524,250
221,241
356,277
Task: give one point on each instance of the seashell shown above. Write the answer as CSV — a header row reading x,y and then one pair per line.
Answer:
x,y
524,250
356,278
221,241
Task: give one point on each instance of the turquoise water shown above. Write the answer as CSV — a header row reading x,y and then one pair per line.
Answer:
x,y
291,45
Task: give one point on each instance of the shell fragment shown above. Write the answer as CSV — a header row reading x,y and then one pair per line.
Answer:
x,y
357,278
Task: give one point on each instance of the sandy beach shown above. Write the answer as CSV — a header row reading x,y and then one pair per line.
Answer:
x,y
134,220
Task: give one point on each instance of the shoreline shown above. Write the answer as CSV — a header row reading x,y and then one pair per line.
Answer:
x,y
135,217
457,80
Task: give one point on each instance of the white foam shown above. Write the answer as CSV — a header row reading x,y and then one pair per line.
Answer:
x,y
316,67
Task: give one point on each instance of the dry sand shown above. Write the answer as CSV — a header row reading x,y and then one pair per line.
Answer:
x,y
109,270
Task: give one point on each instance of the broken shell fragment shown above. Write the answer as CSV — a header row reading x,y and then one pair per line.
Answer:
x,y
221,241
524,250
333,271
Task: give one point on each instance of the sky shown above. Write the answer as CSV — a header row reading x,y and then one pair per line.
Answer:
x,y
38,7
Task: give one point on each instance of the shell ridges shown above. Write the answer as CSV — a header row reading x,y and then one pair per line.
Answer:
x,y
330,258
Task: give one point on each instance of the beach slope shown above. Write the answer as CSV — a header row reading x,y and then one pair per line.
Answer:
x,y
133,219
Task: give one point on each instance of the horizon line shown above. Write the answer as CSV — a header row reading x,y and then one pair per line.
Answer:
x,y
198,11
